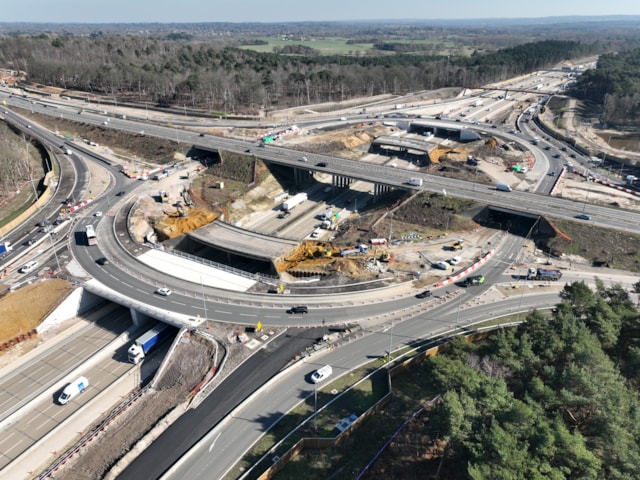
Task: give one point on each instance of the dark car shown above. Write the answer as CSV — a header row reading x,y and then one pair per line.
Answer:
x,y
299,309
321,164
202,134
552,174
120,193
583,216
102,261
425,294
248,150
30,242
573,155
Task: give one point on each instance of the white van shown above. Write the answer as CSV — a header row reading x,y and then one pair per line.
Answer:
x,y
321,373
28,267
503,187
73,389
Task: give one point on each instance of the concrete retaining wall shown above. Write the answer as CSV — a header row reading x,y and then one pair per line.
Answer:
x,y
77,302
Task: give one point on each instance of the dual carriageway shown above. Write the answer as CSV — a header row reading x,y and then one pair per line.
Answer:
x,y
535,205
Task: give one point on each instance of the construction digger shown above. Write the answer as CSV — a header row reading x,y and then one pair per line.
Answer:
x,y
384,256
457,245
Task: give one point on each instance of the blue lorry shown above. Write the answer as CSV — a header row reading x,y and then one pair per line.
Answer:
x,y
148,340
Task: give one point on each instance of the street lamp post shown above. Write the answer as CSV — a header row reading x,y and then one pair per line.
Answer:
x,y
55,253
459,307
390,343
315,407
204,302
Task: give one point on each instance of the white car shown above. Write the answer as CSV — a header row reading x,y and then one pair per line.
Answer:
x,y
28,267
302,159
321,374
97,214
442,265
455,260
165,292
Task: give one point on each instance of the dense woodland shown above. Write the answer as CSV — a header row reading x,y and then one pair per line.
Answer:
x,y
204,74
613,87
554,399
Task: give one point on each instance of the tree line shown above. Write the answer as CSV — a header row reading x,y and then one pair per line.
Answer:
x,y
206,74
613,87
556,398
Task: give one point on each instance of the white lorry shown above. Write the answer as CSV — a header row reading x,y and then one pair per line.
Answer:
x,y
292,202
73,389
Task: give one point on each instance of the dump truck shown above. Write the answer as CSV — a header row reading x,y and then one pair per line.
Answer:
x,y
145,342
292,202
544,274
359,250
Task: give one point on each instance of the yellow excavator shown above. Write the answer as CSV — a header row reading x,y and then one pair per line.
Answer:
x,y
457,245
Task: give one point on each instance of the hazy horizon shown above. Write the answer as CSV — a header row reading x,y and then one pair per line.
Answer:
x,y
250,11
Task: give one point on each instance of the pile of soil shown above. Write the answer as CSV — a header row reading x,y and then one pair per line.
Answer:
x,y
175,226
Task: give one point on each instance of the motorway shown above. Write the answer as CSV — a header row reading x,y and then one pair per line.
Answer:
x,y
137,282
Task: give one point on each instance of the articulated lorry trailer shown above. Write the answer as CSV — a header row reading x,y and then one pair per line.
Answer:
x,y
291,203
148,340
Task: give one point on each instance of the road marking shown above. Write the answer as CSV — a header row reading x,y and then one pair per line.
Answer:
x,y
248,315
178,303
272,316
214,442
222,311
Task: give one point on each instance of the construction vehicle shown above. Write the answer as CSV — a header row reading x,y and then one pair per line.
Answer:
x,y
182,212
544,274
358,250
384,256
457,245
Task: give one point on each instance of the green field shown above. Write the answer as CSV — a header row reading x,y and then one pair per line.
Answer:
x,y
326,46
339,46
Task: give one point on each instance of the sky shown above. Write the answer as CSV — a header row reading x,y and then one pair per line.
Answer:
x,y
239,11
